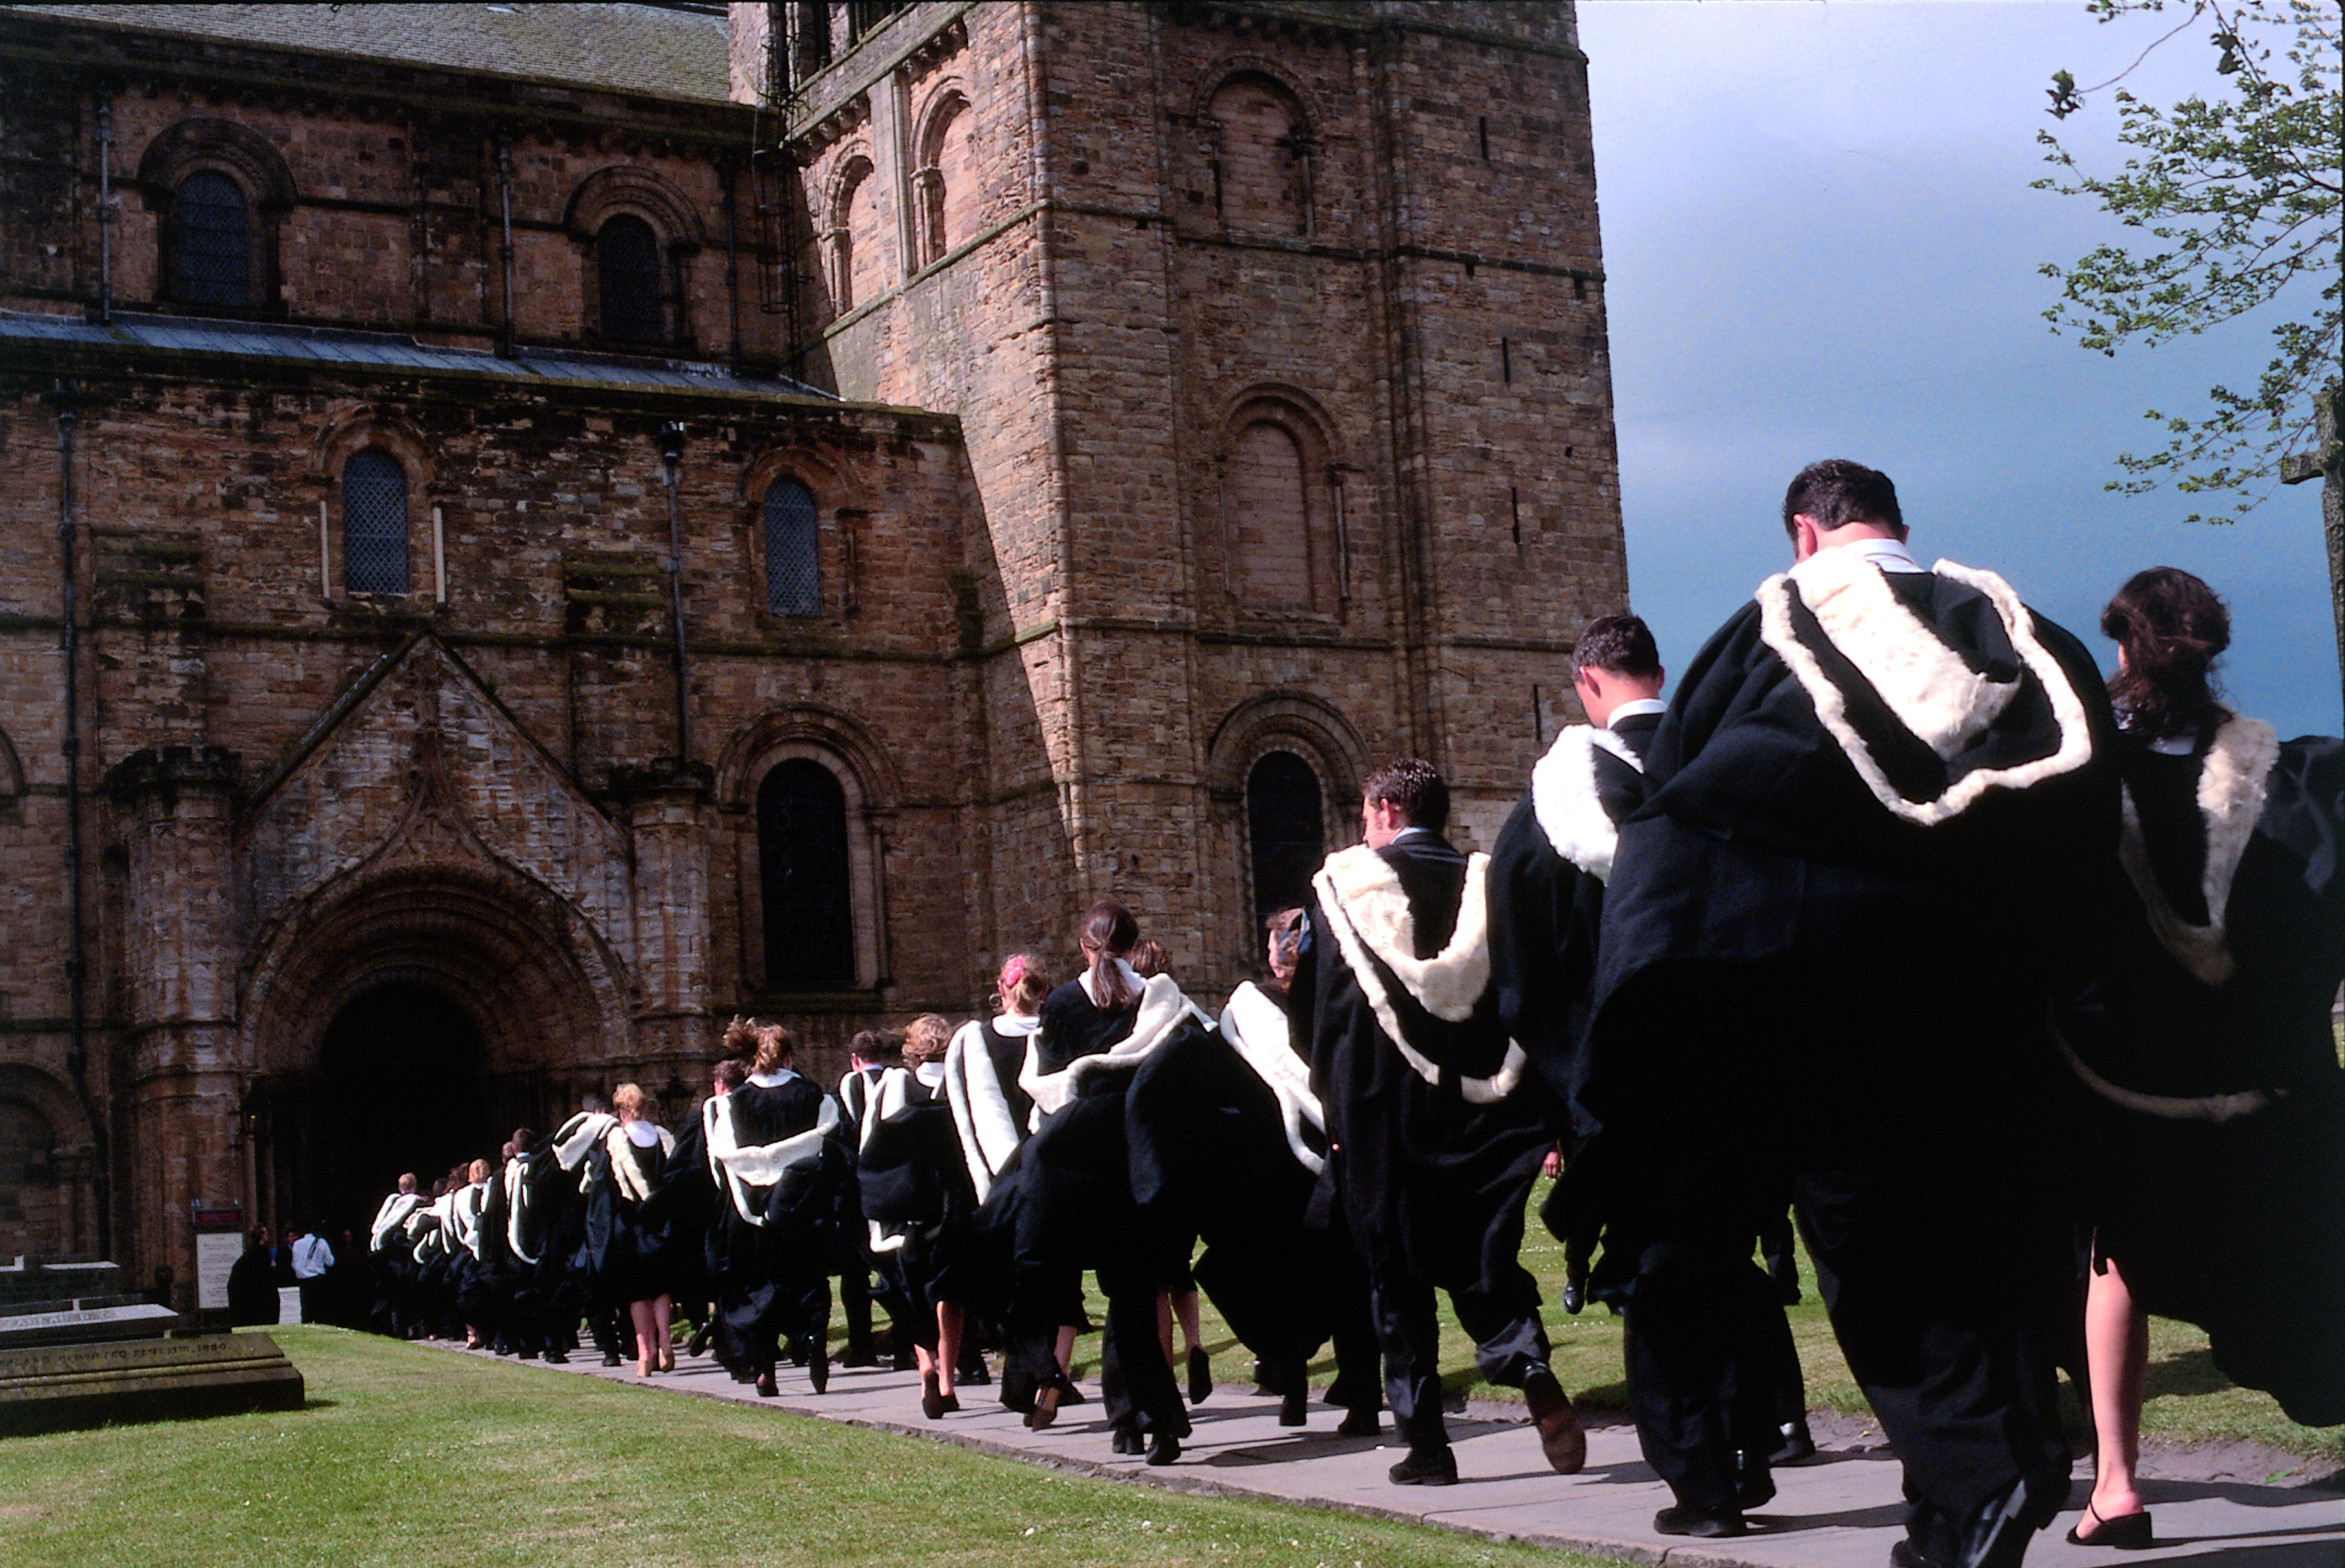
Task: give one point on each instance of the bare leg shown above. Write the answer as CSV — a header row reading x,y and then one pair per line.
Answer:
x,y
646,1348
1066,1349
1192,1333
2116,1357
948,1355
1164,1327
663,1315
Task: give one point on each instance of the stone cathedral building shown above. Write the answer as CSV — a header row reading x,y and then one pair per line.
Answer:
x,y
527,529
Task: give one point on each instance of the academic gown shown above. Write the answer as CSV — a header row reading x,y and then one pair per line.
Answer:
x,y
1437,1126
916,1199
778,1153
2218,1184
1227,1143
1438,1132
1071,1193
1868,866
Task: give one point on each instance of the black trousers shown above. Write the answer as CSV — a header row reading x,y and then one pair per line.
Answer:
x,y
1502,1317
1925,1127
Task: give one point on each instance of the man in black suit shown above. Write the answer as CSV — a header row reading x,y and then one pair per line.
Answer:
x,y
1834,937
1435,1129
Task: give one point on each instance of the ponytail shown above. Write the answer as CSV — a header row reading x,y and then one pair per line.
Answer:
x,y
1109,932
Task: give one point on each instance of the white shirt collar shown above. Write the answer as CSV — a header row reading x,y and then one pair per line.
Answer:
x,y
772,1080
1889,555
1412,828
1635,707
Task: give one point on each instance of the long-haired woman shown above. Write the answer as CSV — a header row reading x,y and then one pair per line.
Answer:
x,y
2219,1197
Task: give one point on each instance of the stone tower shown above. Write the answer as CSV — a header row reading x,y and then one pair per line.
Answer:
x,y
1276,332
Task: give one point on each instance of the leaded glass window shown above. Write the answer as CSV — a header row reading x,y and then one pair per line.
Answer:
x,y
627,259
803,875
1287,831
374,523
212,259
793,563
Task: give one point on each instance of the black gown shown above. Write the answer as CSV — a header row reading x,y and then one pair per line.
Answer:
x,y
776,1232
1437,1126
1869,866
915,1192
2220,1185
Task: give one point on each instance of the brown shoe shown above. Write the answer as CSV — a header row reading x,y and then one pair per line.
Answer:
x,y
1561,1436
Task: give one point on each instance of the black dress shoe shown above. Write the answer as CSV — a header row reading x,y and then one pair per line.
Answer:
x,y
1754,1488
1561,1437
1798,1444
1200,1375
858,1356
557,1358
1163,1449
1431,1467
1575,1290
1124,1437
1359,1423
610,1357
1699,1523
1905,1555
698,1344
932,1402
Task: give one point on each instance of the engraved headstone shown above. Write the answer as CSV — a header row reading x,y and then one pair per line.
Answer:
x,y
85,1319
58,1388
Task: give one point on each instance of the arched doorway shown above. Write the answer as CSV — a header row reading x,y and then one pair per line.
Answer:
x,y
399,1088
32,1210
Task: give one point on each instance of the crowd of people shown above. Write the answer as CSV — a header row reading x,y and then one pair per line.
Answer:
x,y
2012,984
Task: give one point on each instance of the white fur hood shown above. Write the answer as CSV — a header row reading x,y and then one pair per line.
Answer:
x,y
1924,684
1366,908
2232,785
1162,1010
1564,802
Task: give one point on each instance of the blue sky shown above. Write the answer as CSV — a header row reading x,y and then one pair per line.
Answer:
x,y
1820,240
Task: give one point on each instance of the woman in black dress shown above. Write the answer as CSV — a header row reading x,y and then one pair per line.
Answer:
x,y
2219,1198
643,1260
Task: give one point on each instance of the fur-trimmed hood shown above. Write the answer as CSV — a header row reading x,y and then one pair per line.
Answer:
x,y
1163,1010
1564,798
2233,783
1926,687
623,1170
1256,1029
392,1218
746,1168
579,1135
990,1133
1367,909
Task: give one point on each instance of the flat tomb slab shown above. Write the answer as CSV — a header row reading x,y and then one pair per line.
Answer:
x,y
61,1388
84,1321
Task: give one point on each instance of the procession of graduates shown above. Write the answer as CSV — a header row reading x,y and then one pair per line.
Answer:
x,y
2011,983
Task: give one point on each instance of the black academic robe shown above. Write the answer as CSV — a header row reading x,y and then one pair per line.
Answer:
x,y
1547,872
772,1278
915,1194
1870,864
2218,1186
1436,1128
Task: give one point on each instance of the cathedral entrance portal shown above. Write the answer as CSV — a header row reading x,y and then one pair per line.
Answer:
x,y
398,1088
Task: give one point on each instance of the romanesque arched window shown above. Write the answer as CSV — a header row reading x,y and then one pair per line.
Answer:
x,y
793,540
211,242
374,523
949,184
1262,157
804,874
1269,504
1287,831
627,269
861,266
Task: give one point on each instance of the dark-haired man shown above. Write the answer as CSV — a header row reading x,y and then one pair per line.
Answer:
x,y
1435,1131
1833,937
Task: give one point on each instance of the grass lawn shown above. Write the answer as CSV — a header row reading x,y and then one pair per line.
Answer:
x,y
407,1455
2187,1398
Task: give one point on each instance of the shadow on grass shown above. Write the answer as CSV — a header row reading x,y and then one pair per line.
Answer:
x,y
2189,1374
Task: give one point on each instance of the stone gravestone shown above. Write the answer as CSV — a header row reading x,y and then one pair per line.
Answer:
x,y
97,1360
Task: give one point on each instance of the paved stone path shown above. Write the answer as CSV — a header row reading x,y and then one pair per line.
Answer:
x,y
1841,1509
